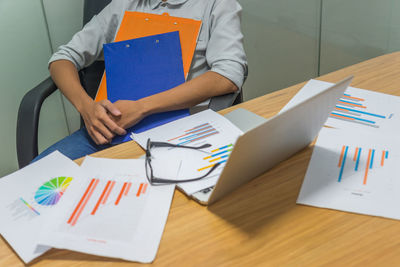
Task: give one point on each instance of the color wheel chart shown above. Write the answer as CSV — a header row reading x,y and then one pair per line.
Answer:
x,y
374,157
219,155
104,197
196,133
51,192
354,109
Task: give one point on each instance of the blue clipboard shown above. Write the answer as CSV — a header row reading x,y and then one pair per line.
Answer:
x,y
143,67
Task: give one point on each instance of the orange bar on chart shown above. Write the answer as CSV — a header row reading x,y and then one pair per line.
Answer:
x,y
144,189
355,154
367,167
121,193
338,116
383,158
108,193
101,198
341,157
137,24
354,98
139,190
85,202
127,189
81,201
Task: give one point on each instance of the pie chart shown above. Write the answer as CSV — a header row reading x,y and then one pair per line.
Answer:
x,y
51,191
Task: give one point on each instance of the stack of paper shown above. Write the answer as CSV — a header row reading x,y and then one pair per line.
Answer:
x,y
105,207
29,198
354,163
112,212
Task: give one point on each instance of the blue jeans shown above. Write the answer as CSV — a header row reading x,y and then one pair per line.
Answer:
x,y
76,145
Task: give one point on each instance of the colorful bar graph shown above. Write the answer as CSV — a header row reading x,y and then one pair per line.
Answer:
x,y
353,98
369,163
196,133
210,166
351,118
361,112
83,201
197,138
353,109
218,154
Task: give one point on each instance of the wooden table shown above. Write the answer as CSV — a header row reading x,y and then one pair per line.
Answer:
x,y
260,223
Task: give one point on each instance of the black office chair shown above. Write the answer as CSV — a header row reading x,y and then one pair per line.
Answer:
x,y
29,109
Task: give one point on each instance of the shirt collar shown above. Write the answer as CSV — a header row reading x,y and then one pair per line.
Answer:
x,y
155,3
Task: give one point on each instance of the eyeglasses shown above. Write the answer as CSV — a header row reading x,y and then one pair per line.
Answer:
x,y
159,181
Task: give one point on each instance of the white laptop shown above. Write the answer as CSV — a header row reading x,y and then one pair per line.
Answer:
x,y
266,142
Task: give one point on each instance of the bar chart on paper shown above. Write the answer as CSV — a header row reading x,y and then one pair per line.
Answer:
x,y
366,110
195,134
353,172
219,155
113,211
357,109
352,156
103,203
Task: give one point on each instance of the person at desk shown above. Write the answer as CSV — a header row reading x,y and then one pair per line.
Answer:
x,y
219,67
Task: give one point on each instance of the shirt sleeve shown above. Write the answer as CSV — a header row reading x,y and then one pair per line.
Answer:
x,y
87,45
225,53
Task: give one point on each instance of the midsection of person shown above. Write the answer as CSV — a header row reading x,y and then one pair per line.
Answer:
x,y
218,67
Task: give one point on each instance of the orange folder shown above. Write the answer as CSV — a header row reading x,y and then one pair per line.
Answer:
x,y
137,24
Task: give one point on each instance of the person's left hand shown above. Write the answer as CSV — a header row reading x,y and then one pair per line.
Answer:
x,y
131,113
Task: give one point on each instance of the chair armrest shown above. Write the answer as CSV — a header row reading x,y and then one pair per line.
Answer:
x,y
218,103
28,121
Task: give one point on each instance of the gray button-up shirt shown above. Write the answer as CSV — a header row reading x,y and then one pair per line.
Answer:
x,y
219,47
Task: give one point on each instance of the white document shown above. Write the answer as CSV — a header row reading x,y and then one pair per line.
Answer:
x,y
206,127
354,172
358,109
113,213
29,197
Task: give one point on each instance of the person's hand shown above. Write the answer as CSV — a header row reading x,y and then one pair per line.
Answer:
x,y
98,122
131,113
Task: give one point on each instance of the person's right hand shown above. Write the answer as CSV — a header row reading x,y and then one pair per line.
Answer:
x,y
99,124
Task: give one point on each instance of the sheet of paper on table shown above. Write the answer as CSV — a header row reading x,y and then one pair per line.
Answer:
x,y
354,172
29,197
114,212
206,127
